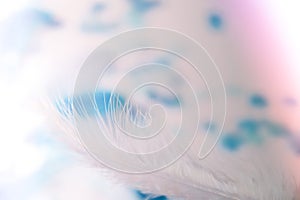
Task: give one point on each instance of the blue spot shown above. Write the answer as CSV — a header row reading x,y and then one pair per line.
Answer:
x,y
251,127
142,6
152,95
97,7
144,196
211,127
45,18
139,8
232,142
170,101
274,128
215,21
163,61
258,101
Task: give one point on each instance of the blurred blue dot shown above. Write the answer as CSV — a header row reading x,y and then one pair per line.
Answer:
x,y
143,6
249,126
209,126
45,18
215,21
231,142
97,7
258,101
170,101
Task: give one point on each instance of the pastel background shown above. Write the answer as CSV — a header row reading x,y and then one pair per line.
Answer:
x,y
42,41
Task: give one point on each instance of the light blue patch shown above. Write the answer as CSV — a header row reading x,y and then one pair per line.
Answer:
x,y
170,101
106,101
210,127
231,142
139,8
274,129
41,138
135,19
163,61
234,91
143,6
44,17
97,7
94,24
152,95
17,30
250,128
258,101
64,107
84,105
89,104
56,161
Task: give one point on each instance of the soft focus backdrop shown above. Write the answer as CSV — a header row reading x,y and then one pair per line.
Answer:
x,y
36,40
